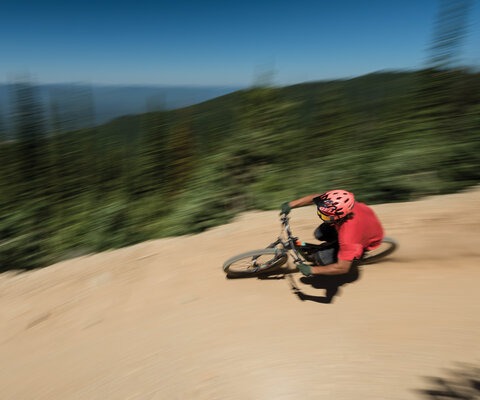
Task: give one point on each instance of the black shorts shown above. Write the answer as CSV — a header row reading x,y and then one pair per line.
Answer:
x,y
326,233
329,249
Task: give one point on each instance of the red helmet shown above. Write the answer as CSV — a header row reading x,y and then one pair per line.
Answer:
x,y
334,205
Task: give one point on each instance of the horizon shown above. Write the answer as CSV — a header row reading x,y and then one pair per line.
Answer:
x,y
219,43
31,80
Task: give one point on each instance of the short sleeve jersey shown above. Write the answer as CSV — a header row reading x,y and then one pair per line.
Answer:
x,y
362,232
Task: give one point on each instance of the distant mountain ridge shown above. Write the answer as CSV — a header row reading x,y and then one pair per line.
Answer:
x,y
85,105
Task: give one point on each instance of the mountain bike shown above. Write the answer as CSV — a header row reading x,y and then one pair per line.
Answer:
x,y
275,255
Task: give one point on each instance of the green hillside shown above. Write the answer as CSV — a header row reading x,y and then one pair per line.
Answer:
x,y
385,136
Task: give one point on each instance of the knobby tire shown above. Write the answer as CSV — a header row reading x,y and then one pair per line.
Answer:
x,y
387,247
254,262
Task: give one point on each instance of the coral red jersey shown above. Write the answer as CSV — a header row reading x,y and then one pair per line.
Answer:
x,y
362,232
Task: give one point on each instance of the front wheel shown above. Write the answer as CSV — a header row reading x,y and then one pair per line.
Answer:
x,y
254,262
387,247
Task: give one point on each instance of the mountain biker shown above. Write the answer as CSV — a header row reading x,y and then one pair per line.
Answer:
x,y
348,229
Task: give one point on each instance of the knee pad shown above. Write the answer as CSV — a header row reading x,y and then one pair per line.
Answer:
x,y
327,256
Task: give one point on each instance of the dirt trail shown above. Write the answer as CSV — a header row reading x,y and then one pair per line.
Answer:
x,y
160,321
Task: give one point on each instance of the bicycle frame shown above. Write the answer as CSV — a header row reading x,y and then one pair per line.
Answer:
x,y
290,243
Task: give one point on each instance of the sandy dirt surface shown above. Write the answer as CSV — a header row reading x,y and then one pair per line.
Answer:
x,y
159,320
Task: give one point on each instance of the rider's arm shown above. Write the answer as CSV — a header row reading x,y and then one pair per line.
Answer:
x,y
303,201
340,267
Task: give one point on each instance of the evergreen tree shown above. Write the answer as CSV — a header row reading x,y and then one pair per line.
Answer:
x,y
440,87
30,135
181,155
153,153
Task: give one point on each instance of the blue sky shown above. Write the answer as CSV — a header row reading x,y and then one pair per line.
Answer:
x,y
216,42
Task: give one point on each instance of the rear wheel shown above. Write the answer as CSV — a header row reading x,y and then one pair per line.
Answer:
x,y
386,248
254,262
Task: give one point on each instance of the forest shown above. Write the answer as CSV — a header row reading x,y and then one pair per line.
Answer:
x,y
389,136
